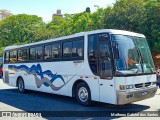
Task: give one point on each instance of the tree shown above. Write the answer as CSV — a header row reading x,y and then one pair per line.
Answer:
x,y
22,29
126,15
151,24
56,26
140,16
98,19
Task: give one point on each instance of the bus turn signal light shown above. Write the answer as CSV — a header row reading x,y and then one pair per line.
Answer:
x,y
121,87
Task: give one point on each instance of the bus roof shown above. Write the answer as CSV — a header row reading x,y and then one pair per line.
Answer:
x,y
111,31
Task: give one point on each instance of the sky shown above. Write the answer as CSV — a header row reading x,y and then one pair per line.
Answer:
x,y
45,8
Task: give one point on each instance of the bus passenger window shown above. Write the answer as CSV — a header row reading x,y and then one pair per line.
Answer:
x,y
22,55
6,60
13,56
77,50
47,52
67,50
56,50
32,53
39,52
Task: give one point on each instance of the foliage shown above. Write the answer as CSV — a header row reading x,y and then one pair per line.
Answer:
x,y
22,29
140,16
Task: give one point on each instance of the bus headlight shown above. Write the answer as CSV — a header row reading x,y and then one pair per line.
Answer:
x,y
129,86
123,87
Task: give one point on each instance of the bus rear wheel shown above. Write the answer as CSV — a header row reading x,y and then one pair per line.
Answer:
x,y
21,86
83,95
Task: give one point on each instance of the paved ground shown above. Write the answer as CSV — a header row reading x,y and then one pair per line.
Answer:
x,y
12,100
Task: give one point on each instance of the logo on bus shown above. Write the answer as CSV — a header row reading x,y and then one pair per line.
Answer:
x,y
36,70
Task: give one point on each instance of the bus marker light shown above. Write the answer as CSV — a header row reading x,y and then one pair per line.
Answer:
x,y
95,78
81,76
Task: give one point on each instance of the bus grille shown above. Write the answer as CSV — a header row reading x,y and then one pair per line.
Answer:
x,y
147,84
139,85
143,85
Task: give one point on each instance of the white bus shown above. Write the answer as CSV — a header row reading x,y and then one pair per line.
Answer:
x,y
110,66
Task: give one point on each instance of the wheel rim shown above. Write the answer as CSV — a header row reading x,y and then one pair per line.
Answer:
x,y
20,85
83,94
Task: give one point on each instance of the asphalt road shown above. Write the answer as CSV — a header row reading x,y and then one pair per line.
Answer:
x,y
12,100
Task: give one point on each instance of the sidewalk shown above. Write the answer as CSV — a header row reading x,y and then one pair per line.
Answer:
x,y
5,86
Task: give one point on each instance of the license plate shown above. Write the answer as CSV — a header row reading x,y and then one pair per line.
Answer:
x,y
144,93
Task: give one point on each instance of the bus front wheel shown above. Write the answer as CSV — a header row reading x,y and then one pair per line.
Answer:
x,y
83,95
21,86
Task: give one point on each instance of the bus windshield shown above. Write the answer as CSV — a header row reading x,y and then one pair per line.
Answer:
x,y
134,55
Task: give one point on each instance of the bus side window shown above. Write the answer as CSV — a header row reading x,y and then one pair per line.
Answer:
x,y
32,54
39,52
67,50
77,50
6,59
47,52
105,65
22,55
13,56
92,53
56,50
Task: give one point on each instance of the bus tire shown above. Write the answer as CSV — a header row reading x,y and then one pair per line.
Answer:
x,y
21,86
83,94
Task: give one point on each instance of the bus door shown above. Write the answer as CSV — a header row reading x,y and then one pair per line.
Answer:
x,y
105,69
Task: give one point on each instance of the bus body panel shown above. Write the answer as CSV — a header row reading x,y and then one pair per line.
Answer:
x,y
107,91
143,88
133,80
80,70
59,76
140,79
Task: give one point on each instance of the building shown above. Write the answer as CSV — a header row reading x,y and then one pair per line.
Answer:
x,y
57,14
4,14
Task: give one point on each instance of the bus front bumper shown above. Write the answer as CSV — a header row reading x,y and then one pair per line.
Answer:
x,y
128,96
